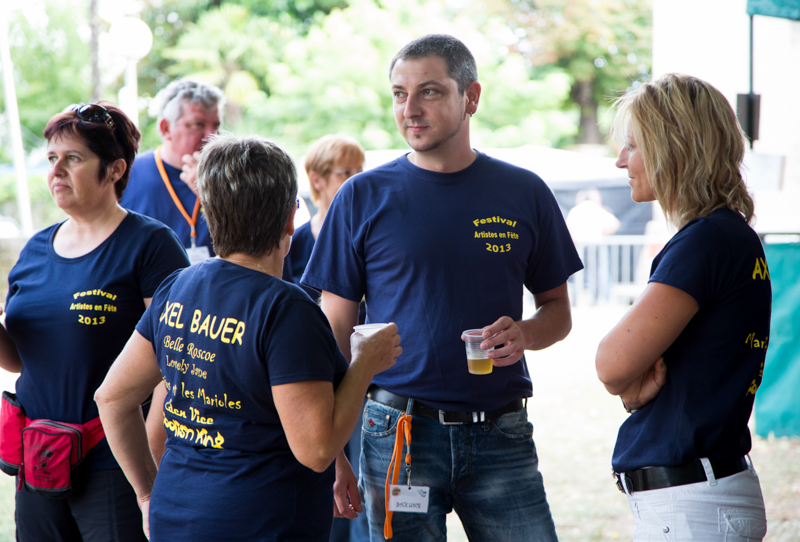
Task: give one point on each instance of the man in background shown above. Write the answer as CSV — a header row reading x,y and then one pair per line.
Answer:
x,y
162,181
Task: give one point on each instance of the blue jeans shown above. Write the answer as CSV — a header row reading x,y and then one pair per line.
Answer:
x,y
487,472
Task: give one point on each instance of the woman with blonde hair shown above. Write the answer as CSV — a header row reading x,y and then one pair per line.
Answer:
x,y
688,357
330,161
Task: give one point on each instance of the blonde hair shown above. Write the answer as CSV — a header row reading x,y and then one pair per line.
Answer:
x,y
691,144
326,151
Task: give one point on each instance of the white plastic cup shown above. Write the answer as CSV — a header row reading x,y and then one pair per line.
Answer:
x,y
369,329
478,362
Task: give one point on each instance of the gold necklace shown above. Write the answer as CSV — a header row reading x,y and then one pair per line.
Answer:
x,y
247,262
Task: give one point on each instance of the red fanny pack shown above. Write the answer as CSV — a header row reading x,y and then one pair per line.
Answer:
x,y
43,452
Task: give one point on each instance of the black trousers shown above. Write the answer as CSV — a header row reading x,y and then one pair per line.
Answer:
x,y
102,508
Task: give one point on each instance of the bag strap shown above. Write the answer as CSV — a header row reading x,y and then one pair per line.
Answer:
x,y
94,433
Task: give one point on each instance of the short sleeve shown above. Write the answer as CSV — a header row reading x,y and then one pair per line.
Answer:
x,y
162,255
337,261
149,320
553,258
300,345
694,261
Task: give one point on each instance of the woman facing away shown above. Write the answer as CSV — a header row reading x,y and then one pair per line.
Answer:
x,y
74,298
259,398
688,356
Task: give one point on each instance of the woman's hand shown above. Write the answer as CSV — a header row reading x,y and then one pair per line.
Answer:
x,y
144,506
647,387
346,499
379,350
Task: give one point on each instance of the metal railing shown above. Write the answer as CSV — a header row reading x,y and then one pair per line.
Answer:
x,y
616,269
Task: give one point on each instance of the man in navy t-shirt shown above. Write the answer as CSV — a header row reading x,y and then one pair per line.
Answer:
x,y
162,182
439,241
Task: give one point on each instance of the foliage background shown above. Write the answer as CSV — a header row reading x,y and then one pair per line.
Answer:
x,y
295,70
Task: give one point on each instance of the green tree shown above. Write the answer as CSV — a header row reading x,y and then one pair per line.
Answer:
x,y
232,49
335,79
51,70
171,19
604,45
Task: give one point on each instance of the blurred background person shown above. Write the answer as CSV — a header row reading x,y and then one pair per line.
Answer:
x,y
588,220
163,180
330,161
688,357
269,401
75,296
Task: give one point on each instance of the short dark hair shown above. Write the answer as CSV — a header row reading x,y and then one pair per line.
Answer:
x,y
248,188
109,143
461,65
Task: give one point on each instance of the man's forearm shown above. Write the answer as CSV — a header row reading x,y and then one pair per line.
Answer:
x,y
551,323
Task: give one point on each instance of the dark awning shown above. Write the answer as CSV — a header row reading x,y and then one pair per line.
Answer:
x,y
785,9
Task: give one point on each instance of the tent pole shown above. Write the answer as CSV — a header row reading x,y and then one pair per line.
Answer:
x,y
23,196
751,96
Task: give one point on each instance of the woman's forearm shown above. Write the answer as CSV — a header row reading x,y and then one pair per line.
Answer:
x,y
127,438
156,433
649,327
129,381
318,421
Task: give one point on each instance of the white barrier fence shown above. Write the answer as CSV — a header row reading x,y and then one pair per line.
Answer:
x,y
616,269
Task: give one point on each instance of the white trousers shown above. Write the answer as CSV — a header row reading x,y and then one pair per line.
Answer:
x,y
730,509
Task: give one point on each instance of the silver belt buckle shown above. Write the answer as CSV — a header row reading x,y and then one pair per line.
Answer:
x,y
441,419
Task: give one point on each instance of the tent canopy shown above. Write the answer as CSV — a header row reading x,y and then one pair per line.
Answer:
x,y
785,9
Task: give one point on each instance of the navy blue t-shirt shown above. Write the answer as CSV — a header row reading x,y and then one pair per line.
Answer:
x,y
71,317
296,260
224,335
715,366
148,195
439,253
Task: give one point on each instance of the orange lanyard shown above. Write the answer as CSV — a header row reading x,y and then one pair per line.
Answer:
x,y
403,429
193,220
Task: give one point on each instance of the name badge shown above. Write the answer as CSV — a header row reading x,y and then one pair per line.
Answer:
x,y
197,254
409,499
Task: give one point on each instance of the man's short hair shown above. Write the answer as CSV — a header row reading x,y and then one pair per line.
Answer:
x,y
168,103
248,188
460,63
328,150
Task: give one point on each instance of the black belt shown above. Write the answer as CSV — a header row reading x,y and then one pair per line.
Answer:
x,y
446,418
648,478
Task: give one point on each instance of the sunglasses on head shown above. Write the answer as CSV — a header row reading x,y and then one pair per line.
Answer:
x,y
92,113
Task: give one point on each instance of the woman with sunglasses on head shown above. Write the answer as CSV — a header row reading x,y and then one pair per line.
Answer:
x,y
688,357
75,296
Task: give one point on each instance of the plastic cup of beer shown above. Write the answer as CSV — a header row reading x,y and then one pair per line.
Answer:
x,y
368,329
478,362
